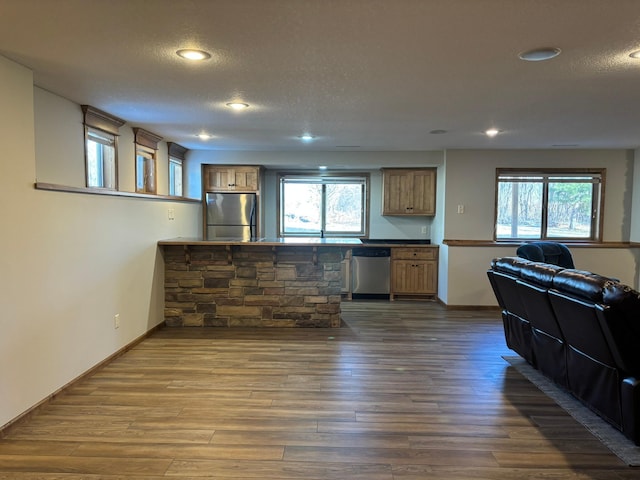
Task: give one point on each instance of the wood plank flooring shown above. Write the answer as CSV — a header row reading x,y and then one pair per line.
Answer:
x,y
404,391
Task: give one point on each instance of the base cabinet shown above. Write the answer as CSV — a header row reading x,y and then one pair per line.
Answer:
x,y
414,272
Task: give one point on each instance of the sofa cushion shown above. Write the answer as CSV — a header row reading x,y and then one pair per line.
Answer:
x,y
539,273
580,283
510,265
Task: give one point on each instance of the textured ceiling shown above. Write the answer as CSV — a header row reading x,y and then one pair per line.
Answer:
x,y
357,74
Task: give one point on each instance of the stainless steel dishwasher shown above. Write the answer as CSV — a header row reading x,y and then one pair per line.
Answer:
x,y
370,271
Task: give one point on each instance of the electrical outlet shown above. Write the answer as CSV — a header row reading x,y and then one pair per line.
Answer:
x,y
424,230
171,214
116,320
460,208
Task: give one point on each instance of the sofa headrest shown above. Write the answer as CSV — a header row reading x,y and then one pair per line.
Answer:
x,y
580,283
540,273
618,294
511,265
547,252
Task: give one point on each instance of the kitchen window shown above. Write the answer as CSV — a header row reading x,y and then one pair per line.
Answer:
x,y
553,204
323,205
101,148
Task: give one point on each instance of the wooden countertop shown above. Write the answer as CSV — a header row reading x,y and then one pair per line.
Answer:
x,y
289,241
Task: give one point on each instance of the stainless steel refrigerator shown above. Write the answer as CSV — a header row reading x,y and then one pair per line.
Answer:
x,y
231,216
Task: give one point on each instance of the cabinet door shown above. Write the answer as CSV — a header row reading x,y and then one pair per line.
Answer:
x,y
397,193
423,186
409,191
413,277
243,179
216,179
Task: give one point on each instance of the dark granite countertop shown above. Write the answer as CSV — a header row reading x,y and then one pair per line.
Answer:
x,y
300,241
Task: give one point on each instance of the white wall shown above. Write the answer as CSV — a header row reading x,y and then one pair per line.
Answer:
x,y
634,235
470,181
67,135
371,162
635,220
60,147
69,262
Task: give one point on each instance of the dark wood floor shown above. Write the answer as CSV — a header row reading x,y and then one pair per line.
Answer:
x,y
404,391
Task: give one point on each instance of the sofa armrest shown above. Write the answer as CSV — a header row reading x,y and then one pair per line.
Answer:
x,y
630,399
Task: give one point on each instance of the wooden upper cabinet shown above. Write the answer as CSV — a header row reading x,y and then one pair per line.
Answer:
x,y
409,191
218,178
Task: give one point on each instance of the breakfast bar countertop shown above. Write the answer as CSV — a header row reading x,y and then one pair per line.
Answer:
x,y
297,241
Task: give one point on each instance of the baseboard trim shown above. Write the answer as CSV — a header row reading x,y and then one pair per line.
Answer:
x,y
6,428
473,307
468,307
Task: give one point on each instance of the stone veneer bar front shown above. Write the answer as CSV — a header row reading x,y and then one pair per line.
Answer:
x,y
252,284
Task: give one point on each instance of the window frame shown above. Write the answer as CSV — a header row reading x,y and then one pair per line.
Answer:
x,y
146,170
94,119
325,179
596,176
106,168
146,146
177,156
175,184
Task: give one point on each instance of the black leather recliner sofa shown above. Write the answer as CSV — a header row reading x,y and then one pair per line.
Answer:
x,y
580,329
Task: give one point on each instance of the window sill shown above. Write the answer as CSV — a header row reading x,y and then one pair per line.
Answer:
x,y
492,243
112,193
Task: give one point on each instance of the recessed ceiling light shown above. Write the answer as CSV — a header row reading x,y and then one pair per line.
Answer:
x,y
492,132
192,54
322,167
539,54
237,105
203,136
635,54
437,132
307,137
